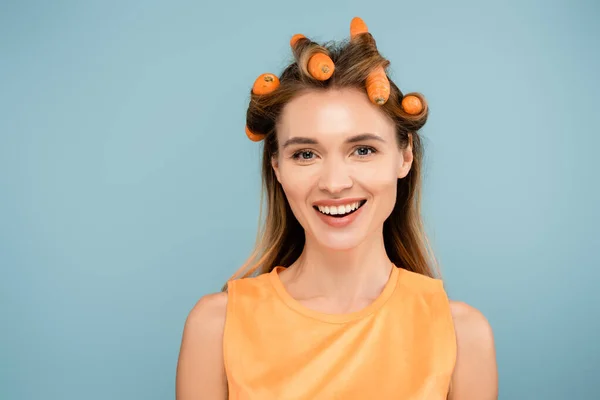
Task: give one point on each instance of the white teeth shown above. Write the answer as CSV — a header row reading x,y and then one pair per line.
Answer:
x,y
339,210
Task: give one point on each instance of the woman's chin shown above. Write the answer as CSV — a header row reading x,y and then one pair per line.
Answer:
x,y
338,241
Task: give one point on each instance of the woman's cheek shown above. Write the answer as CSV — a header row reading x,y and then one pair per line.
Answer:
x,y
375,178
296,186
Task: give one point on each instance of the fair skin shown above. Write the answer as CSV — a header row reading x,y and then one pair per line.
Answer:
x,y
325,155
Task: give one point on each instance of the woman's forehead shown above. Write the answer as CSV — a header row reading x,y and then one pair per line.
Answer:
x,y
332,113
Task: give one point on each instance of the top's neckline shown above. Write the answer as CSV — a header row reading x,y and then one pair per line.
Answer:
x,y
383,297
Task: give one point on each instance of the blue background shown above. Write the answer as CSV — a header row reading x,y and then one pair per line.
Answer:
x,y
128,189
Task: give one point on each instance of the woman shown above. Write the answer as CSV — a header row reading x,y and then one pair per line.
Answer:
x,y
340,299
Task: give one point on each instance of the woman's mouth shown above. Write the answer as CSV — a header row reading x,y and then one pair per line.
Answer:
x,y
342,215
340,211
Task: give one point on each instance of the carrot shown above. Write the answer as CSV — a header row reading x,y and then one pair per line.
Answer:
x,y
255,137
378,86
265,84
412,104
321,66
295,39
357,26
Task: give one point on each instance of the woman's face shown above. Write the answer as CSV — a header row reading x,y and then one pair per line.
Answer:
x,y
338,163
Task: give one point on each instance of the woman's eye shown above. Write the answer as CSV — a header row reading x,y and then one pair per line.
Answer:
x,y
364,151
304,155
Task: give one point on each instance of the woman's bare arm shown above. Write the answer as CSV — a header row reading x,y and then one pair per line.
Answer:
x,y
475,375
200,369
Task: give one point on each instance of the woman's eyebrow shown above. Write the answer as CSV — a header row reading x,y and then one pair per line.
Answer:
x,y
354,139
363,137
299,140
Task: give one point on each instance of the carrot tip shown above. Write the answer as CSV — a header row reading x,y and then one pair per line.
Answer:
x,y
357,26
295,39
412,105
321,67
255,137
265,84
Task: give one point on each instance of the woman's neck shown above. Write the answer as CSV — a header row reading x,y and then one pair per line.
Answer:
x,y
360,272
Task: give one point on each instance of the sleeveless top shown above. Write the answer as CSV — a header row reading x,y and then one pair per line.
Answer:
x,y
401,346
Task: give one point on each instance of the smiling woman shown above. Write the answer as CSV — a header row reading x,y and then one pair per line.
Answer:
x,y
340,299
339,150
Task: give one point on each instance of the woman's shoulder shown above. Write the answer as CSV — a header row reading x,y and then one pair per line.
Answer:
x,y
207,316
464,312
418,282
472,327
200,366
476,356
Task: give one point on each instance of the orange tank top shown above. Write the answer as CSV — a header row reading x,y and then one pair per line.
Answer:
x,y
401,346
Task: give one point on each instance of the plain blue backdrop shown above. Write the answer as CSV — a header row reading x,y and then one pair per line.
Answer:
x,y
128,189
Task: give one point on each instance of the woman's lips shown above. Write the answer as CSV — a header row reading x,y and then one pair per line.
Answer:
x,y
338,202
334,219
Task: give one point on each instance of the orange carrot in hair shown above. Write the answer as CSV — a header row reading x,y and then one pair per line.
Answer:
x,y
357,26
378,86
412,105
295,39
321,66
265,84
255,137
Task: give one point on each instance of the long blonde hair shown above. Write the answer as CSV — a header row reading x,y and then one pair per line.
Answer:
x,y
280,238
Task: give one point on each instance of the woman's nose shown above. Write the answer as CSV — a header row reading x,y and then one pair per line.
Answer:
x,y
335,176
